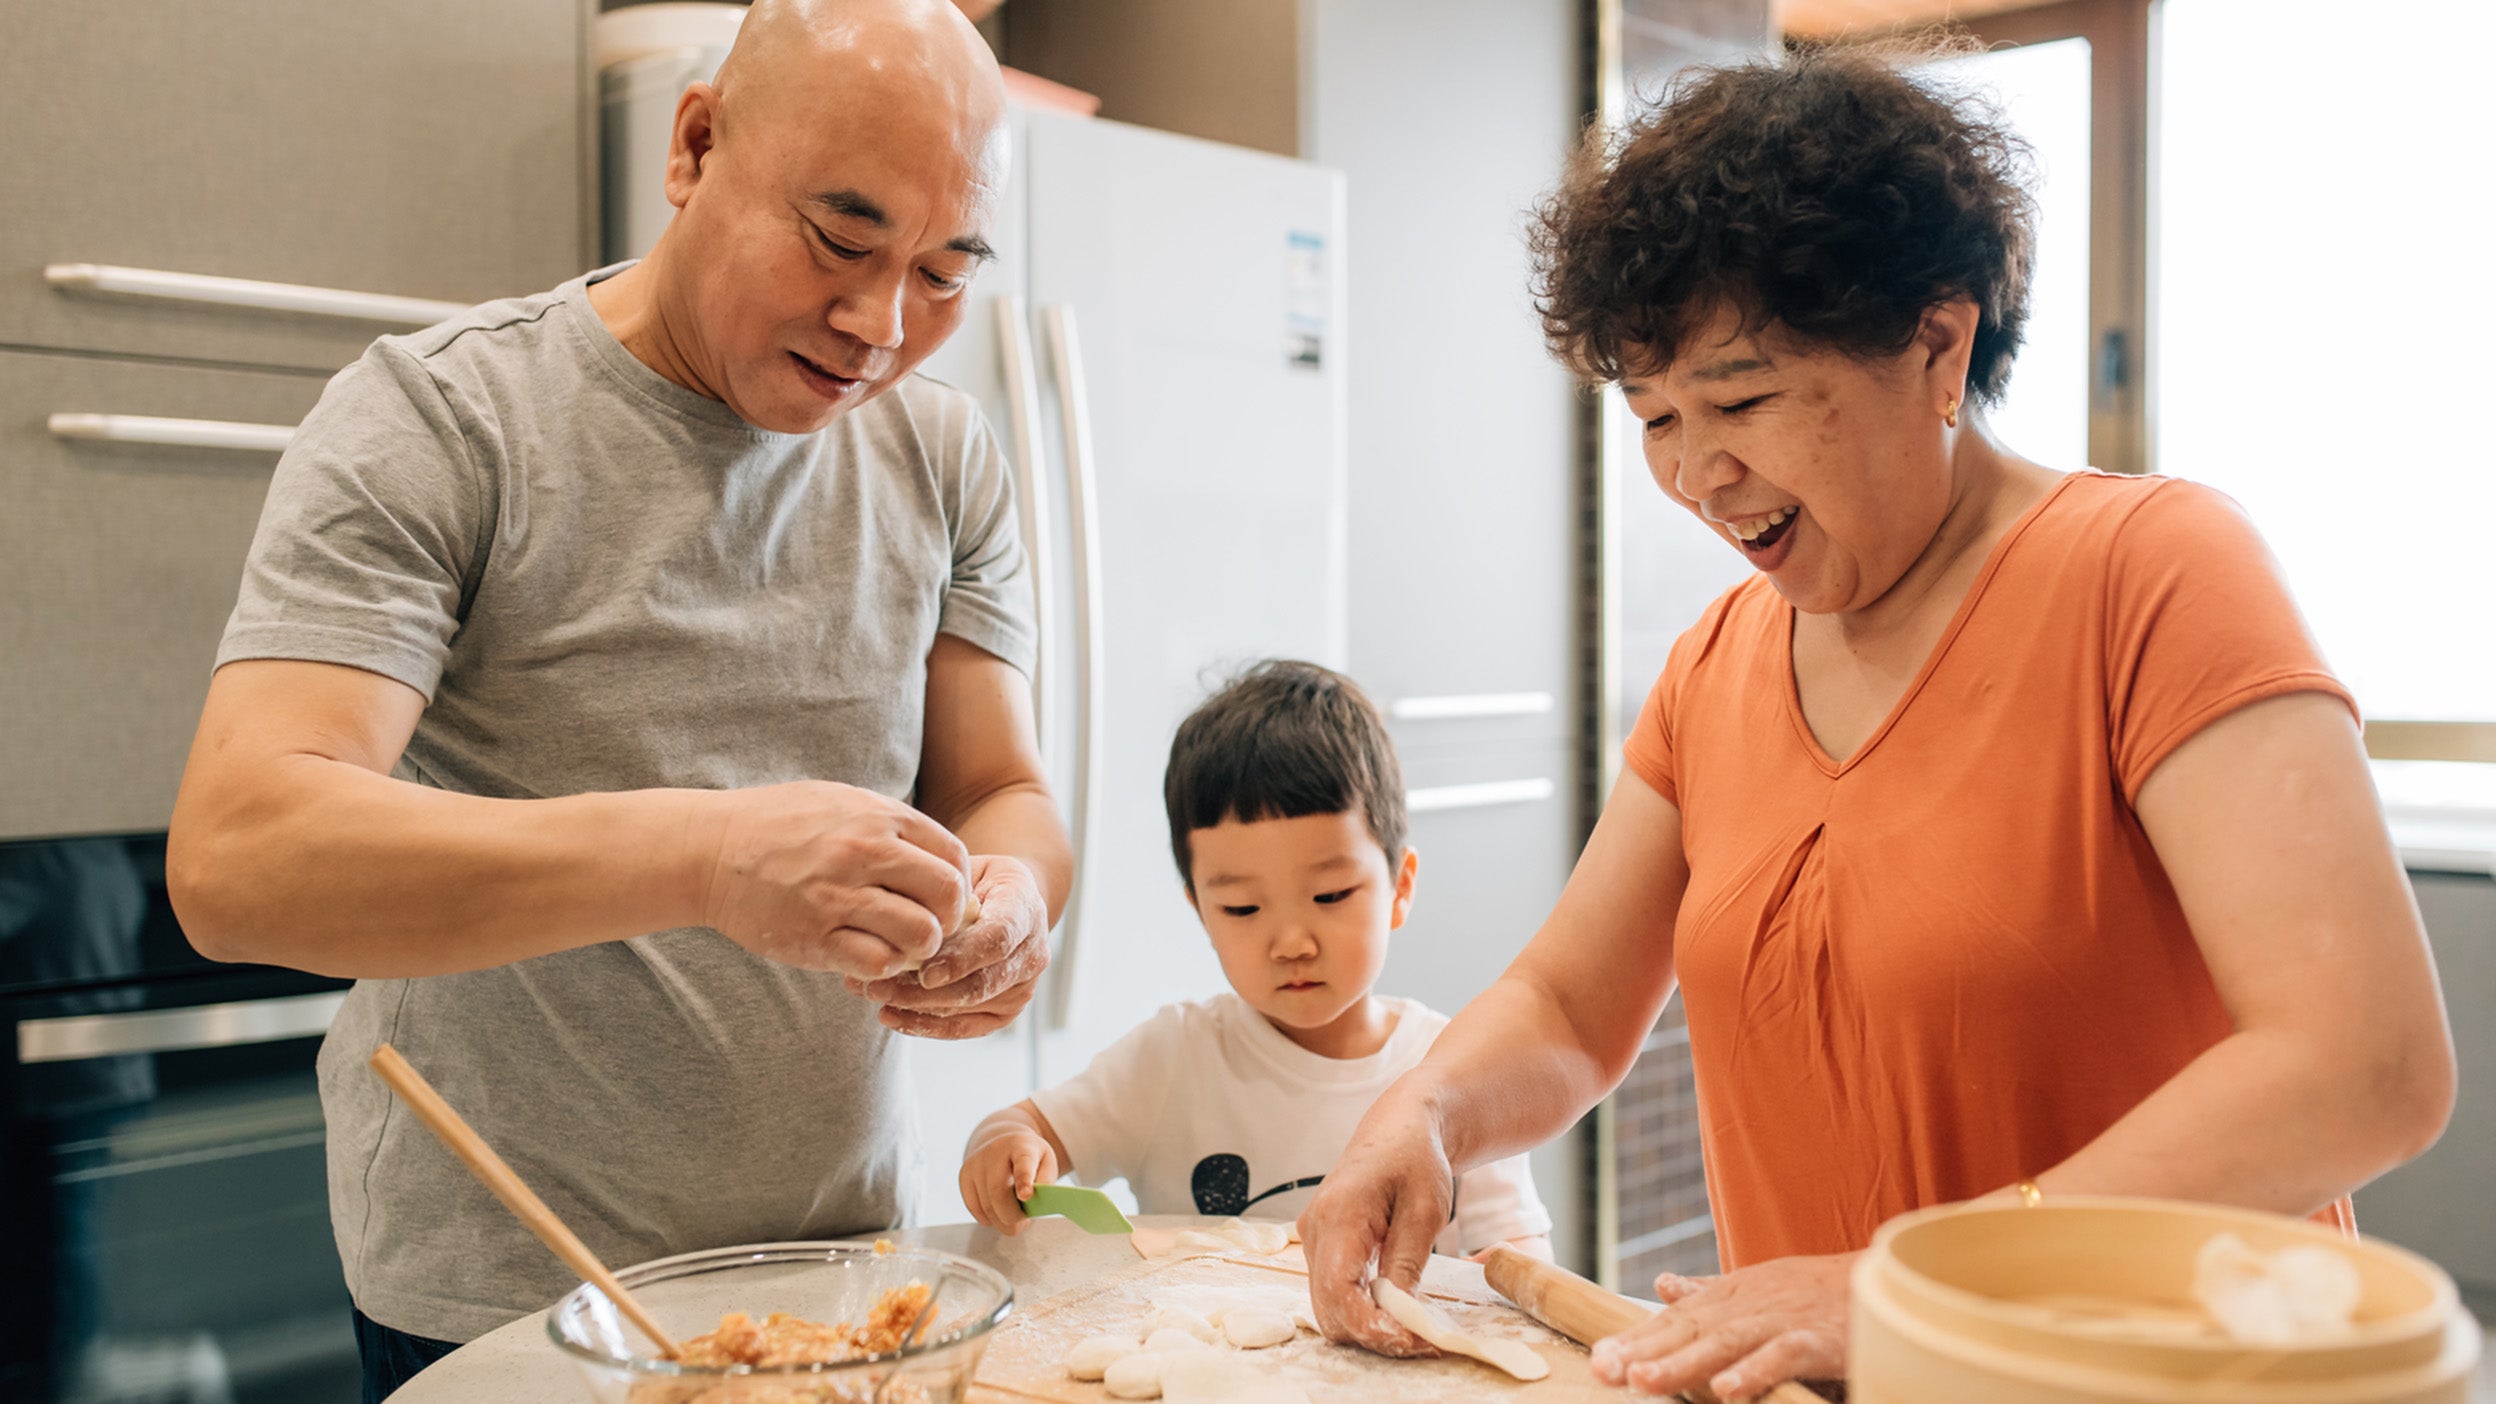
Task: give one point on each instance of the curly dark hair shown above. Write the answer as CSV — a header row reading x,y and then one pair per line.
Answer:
x,y
1833,193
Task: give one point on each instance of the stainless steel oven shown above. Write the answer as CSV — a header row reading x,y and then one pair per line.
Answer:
x,y
166,1233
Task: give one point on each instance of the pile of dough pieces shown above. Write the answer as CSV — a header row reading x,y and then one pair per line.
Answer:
x,y
1183,1358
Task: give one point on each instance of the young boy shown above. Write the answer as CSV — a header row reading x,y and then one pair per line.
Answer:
x,y
1287,819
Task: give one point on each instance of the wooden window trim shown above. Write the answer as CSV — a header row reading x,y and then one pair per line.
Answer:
x,y
2121,417
2121,393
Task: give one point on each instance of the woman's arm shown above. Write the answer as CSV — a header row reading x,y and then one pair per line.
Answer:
x,y
2340,1066
1517,1065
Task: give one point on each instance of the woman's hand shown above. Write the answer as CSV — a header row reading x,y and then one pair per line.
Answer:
x,y
1741,1334
1381,1206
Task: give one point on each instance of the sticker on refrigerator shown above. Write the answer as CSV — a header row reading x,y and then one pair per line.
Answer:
x,y
1306,301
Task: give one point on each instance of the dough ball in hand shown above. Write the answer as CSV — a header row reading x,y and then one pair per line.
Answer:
x,y
1255,1328
1092,1357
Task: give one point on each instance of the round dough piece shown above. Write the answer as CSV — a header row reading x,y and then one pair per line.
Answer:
x,y
1170,1338
1176,1318
1134,1376
1255,1328
1092,1357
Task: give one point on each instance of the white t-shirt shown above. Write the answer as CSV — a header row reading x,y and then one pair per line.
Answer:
x,y
1206,1108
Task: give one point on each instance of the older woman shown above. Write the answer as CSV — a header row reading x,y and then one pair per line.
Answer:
x,y
2004,828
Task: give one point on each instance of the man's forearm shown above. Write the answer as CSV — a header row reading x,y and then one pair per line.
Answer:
x,y
328,867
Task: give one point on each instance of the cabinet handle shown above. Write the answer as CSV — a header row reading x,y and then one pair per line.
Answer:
x,y
79,1036
1469,705
175,433
1478,795
1091,663
156,285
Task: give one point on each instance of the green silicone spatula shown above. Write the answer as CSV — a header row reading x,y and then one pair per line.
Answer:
x,y
1091,1210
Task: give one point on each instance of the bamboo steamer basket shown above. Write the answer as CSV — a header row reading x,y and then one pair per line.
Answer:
x,y
2083,1301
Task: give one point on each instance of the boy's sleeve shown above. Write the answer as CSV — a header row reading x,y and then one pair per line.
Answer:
x,y
1496,1202
1104,1115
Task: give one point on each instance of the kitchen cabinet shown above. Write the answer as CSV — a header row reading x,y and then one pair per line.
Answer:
x,y
418,149
427,148
118,566
2438,1204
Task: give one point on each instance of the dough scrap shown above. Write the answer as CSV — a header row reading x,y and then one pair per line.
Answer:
x,y
1262,1237
1093,1355
1515,1357
1255,1328
1170,1338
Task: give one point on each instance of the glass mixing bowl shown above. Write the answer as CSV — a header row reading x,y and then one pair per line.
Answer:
x,y
820,1282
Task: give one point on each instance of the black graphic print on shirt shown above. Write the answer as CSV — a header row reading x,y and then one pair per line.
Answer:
x,y
1219,1185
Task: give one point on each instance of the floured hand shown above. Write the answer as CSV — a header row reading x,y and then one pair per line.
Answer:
x,y
984,974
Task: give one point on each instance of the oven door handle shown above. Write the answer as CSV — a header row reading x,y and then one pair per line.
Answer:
x,y
70,1038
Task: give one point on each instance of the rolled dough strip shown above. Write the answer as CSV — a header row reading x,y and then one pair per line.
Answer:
x,y
1514,1357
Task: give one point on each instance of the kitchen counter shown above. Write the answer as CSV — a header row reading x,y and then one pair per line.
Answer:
x,y
519,1365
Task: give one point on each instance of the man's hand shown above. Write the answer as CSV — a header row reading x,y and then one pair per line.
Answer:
x,y
831,877
998,1172
984,974
1741,1334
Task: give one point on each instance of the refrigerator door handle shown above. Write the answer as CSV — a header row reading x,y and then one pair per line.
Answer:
x,y
1022,398
1479,794
1091,665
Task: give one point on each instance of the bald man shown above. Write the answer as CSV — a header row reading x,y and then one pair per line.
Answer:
x,y
627,688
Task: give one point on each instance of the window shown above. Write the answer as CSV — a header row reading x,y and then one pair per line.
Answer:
x,y
2323,318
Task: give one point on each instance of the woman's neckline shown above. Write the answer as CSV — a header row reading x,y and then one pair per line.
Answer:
x,y
1994,556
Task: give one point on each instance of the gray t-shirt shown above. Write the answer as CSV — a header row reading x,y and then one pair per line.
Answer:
x,y
602,581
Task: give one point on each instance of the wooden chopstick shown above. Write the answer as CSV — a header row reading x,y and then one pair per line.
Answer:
x,y
524,1204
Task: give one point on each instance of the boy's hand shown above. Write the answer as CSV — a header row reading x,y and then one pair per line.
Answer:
x,y
998,1173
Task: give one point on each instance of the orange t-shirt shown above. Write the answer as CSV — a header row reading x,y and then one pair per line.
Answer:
x,y
1952,960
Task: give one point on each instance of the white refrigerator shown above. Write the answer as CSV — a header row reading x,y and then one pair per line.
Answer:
x,y
1161,348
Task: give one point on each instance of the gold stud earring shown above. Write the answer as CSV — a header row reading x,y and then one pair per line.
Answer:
x,y
1950,416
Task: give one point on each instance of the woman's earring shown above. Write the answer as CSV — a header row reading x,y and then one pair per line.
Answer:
x,y
1950,416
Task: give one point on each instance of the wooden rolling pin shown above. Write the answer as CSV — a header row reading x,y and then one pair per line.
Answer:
x,y
1585,1313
